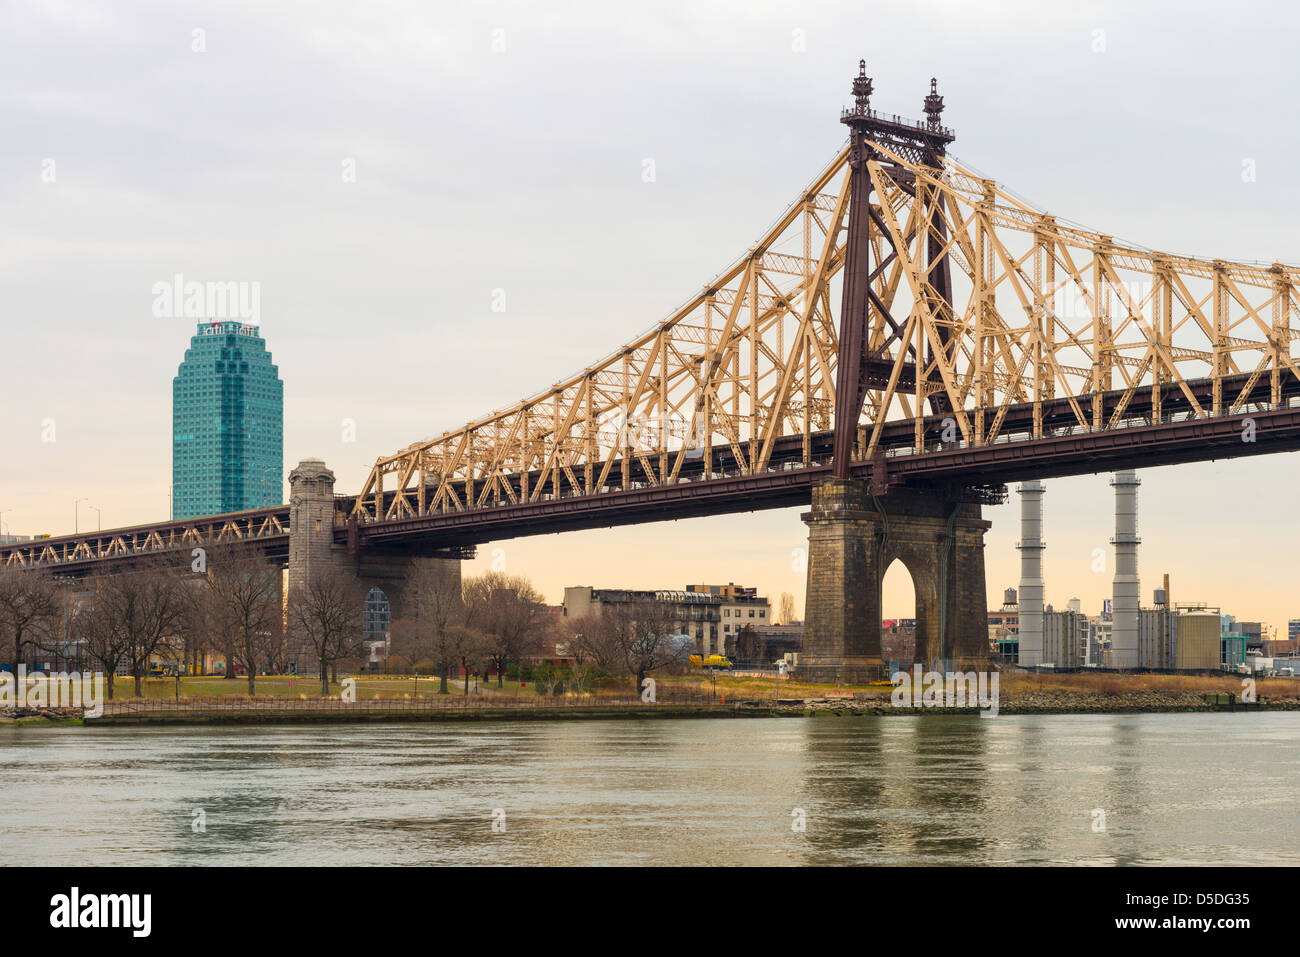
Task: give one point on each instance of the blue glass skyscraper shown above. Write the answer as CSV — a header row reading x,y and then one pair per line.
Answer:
x,y
227,423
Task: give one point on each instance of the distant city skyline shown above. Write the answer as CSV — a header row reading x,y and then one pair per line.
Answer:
x,y
370,178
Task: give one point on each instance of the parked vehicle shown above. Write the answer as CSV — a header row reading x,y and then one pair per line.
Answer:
x,y
710,661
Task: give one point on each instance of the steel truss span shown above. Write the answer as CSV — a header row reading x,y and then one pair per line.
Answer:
x,y
988,322
266,529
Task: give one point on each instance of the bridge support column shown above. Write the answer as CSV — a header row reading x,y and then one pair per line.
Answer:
x,y
311,522
312,546
841,638
852,541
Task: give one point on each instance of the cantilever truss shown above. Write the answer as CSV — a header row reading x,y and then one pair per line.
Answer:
x,y
207,532
1032,311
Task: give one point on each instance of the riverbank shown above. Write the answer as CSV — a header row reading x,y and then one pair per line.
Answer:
x,y
1054,701
378,714
860,704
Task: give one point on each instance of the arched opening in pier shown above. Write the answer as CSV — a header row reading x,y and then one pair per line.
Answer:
x,y
898,602
377,619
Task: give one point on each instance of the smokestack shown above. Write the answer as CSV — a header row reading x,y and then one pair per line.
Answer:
x,y
1124,607
1031,573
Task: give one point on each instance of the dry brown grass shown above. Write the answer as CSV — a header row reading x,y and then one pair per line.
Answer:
x,y
733,687
1010,683
1124,683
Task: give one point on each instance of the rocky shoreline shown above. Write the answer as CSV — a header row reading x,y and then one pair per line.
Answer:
x,y
1045,702
40,715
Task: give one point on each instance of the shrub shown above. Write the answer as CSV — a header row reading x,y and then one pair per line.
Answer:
x,y
397,665
543,677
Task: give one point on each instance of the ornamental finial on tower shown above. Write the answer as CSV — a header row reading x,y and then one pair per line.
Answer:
x,y
933,104
862,89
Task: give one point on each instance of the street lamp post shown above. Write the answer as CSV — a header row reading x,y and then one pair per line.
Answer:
x,y
76,515
99,518
65,581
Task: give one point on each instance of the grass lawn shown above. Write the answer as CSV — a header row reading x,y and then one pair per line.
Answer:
x,y
282,686
509,688
727,686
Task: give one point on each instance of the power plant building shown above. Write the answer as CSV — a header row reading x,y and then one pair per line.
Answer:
x,y
1172,640
1030,624
1125,624
1126,636
1065,640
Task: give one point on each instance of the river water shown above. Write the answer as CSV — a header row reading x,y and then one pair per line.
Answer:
x,y
1174,789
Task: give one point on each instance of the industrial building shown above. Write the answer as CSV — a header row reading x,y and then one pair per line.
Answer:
x,y
1004,627
1125,636
1180,638
714,615
1066,635
1031,545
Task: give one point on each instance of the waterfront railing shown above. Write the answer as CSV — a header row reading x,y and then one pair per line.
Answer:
x,y
449,702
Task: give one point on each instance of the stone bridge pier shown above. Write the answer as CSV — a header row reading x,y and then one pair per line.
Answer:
x,y
853,538
312,517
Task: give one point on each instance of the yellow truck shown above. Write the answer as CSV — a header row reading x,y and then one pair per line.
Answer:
x,y
710,661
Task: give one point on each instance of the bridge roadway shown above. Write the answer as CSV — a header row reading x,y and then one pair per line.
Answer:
x,y
1065,449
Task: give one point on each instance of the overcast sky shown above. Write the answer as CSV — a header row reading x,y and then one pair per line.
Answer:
x,y
500,146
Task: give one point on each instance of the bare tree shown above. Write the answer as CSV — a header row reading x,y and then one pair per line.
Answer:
x,y
466,647
408,639
129,616
509,612
581,673
437,600
105,644
148,606
785,610
30,607
326,612
197,634
245,609
632,637
593,641
749,646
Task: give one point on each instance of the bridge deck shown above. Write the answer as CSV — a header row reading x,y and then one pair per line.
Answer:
x,y
1064,449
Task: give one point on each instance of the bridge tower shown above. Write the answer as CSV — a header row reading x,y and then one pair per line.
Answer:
x,y
315,530
856,527
311,520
